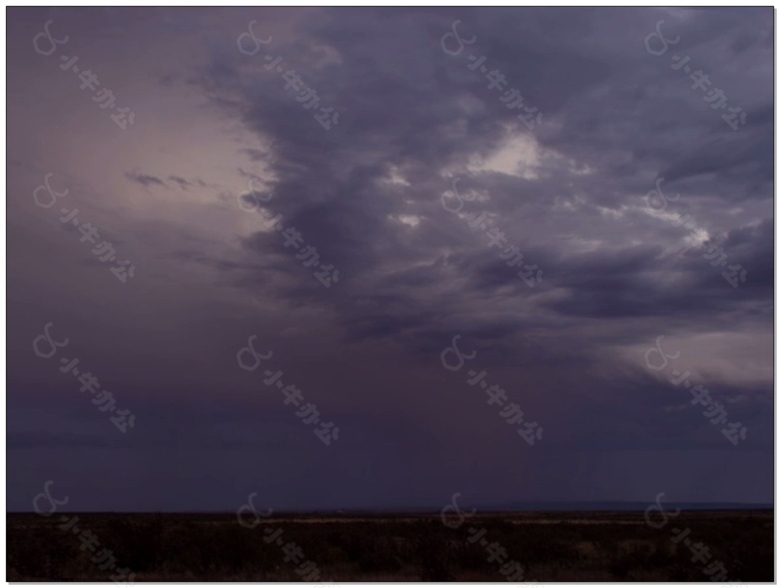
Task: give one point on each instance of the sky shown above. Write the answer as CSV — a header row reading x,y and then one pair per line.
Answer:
x,y
550,210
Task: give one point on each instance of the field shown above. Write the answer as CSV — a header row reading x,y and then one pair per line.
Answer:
x,y
550,546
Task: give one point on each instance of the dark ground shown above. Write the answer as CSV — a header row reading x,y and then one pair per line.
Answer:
x,y
551,546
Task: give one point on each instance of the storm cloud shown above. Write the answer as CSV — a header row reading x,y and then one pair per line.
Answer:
x,y
221,145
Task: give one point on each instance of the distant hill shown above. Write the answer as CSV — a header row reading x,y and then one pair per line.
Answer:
x,y
570,506
627,506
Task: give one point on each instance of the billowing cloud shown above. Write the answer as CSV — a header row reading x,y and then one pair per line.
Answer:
x,y
235,145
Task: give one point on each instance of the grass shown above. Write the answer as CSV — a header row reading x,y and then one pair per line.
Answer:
x,y
561,547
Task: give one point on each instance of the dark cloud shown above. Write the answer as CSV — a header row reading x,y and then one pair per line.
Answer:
x,y
145,180
182,183
617,122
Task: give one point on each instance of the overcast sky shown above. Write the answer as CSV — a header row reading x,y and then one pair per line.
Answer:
x,y
570,193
